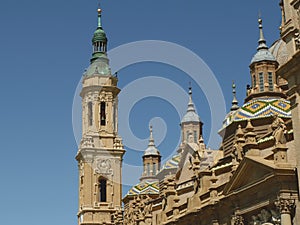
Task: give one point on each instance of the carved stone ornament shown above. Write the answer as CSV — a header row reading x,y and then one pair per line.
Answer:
x,y
103,166
196,184
130,217
148,206
87,142
237,152
118,217
285,206
238,220
118,144
279,130
266,216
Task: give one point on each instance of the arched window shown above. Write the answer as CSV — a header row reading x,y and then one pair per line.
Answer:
x,y
102,190
195,137
270,81
261,82
102,114
90,113
148,169
254,81
154,168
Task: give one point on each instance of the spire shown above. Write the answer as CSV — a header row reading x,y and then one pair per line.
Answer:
x,y
191,115
151,139
191,107
151,150
261,42
99,18
234,100
99,41
263,53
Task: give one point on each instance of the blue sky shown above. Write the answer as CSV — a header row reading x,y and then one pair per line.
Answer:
x,y
45,47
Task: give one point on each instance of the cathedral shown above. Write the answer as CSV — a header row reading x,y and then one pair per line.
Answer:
x,y
252,179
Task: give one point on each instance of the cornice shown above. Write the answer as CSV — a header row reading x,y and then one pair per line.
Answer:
x,y
287,29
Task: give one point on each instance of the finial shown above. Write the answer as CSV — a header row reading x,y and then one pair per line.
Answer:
x,y
191,104
201,139
151,139
99,10
234,100
239,132
201,144
261,41
249,127
151,132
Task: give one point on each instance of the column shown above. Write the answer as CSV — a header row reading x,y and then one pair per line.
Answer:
x,y
285,207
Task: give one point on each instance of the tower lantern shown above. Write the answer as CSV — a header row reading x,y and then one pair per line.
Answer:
x,y
263,68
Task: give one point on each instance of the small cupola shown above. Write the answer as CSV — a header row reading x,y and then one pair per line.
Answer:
x,y
99,40
99,62
191,125
151,159
263,68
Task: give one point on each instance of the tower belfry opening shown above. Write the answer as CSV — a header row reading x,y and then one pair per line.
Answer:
x,y
102,190
102,114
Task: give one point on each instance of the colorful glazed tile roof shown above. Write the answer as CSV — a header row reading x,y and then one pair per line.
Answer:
x,y
152,187
259,108
145,187
172,163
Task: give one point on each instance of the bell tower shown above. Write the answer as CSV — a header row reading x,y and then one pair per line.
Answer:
x,y
101,150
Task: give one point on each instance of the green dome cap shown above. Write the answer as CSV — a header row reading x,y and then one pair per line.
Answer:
x,y
99,40
99,35
99,67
